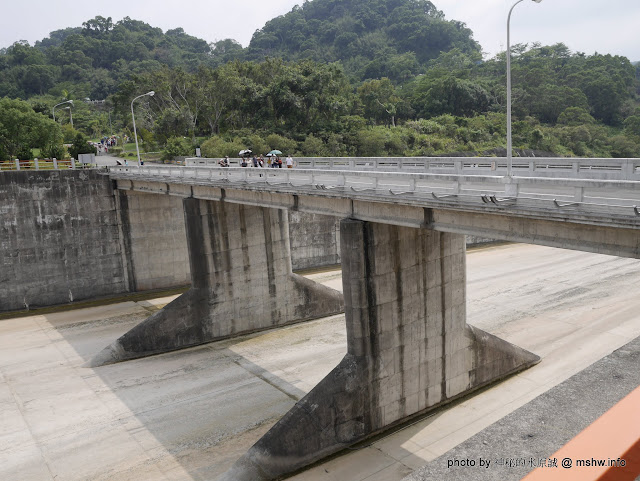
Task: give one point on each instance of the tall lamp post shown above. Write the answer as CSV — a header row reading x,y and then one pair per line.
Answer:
x,y
135,134
70,115
53,111
509,147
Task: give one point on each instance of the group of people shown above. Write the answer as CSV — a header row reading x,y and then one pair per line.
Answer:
x,y
271,162
105,143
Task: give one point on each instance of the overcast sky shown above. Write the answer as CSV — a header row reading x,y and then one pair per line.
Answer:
x,y
603,26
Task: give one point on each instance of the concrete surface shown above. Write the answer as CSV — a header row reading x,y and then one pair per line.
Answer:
x,y
59,238
529,437
65,237
189,415
241,282
409,349
154,242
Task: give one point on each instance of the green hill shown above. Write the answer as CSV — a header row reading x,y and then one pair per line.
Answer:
x,y
371,38
331,77
92,60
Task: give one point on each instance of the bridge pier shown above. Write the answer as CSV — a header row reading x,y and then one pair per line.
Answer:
x,y
241,282
409,348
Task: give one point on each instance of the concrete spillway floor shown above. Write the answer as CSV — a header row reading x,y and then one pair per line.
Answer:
x,y
188,415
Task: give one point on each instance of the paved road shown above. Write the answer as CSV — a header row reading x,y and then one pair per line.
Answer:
x,y
188,415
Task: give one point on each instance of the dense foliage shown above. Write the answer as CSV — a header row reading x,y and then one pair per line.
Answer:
x,y
21,129
90,61
332,77
371,38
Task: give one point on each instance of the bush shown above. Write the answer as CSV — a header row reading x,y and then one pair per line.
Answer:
x,y
68,133
51,151
371,142
176,147
216,146
257,144
313,147
284,144
81,145
25,153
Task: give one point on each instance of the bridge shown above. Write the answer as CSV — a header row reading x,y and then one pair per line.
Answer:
x,y
403,257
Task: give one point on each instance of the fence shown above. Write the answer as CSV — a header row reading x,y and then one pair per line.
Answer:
x,y
577,168
571,196
38,164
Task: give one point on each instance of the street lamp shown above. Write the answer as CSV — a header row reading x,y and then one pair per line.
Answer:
x,y
150,94
54,107
509,148
70,115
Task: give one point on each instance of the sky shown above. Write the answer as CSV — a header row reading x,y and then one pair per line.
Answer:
x,y
589,26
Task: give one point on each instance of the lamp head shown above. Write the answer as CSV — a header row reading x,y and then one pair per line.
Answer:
x,y
152,93
537,1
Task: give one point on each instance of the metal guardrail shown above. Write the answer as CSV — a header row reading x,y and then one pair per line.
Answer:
x,y
37,164
560,195
575,168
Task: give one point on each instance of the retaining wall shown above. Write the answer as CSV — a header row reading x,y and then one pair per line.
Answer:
x,y
67,236
59,239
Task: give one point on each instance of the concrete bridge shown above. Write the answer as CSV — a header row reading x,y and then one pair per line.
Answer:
x,y
403,256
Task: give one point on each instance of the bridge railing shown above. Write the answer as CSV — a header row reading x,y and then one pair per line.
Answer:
x,y
602,197
579,168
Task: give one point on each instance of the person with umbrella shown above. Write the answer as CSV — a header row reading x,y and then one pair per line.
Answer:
x,y
275,159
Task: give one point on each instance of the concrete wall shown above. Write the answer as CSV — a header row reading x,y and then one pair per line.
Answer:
x,y
67,236
409,348
155,240
315,240
241,282
59,238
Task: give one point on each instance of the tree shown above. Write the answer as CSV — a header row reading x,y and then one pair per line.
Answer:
x,y
22,129
450,95
379,100
632,126
81,145
176,146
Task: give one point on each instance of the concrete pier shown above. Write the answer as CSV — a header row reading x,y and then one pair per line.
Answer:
x,y
241,282
409,348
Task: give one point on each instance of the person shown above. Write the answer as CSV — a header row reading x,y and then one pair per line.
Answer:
x,y
243,162
289,162
254,160
279,162
261,161
269,161
224,162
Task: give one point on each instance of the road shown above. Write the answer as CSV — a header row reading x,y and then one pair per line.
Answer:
x,y
188,415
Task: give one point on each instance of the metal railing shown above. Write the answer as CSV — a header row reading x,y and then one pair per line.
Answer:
x,y
575,168
570,196
37,164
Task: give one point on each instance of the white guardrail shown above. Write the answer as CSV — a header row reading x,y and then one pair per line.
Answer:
x,y
568,167
560,194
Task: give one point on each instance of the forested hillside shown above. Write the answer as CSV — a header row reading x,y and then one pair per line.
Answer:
x,y
92,60
332,77
371,38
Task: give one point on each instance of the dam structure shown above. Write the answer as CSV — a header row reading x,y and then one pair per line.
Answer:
x,y
402,248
